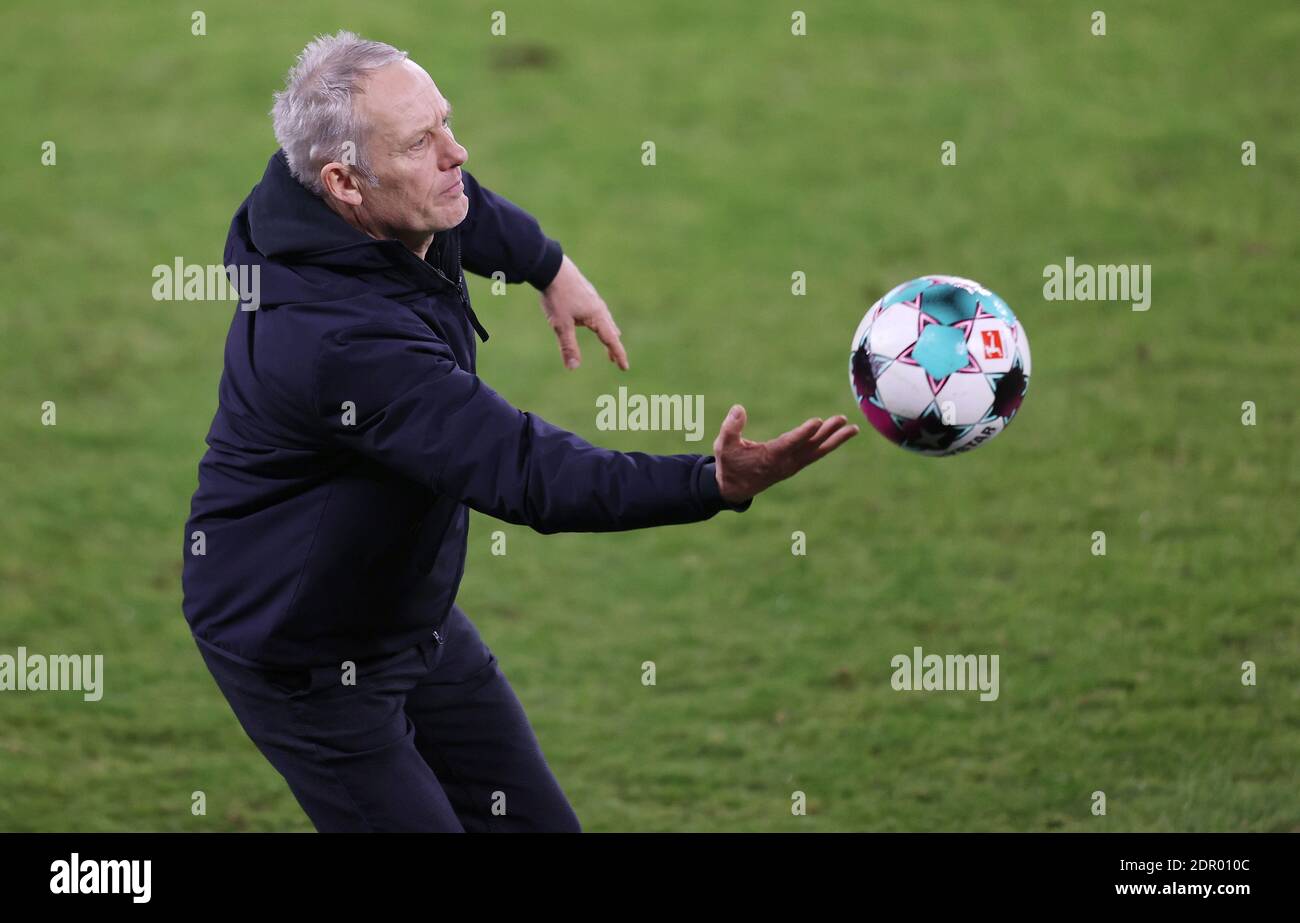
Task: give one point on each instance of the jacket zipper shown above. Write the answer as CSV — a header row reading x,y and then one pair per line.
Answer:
x,y
462,289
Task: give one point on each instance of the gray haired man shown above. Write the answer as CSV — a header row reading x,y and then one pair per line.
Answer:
x,y
352,437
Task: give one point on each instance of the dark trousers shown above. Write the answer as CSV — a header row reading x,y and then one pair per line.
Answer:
x,y
430,739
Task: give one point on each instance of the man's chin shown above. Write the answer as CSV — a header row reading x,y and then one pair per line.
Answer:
x,y
451,216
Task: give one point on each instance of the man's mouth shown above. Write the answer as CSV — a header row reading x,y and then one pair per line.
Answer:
x,y
457,186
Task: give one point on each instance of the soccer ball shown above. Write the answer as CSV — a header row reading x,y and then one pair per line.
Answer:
x,y
939,365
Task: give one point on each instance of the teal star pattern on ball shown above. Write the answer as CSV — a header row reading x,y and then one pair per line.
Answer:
x,y
941,350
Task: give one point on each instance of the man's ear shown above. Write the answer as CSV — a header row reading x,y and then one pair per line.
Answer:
x,y
340,183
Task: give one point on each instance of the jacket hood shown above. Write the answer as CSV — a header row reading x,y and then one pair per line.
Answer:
x,y
283,228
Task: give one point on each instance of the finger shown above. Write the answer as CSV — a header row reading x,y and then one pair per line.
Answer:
x,y
732,425
797,436
836,440
609,335
569,346
830,426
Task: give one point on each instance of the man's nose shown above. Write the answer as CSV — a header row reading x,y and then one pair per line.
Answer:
x,y
454,155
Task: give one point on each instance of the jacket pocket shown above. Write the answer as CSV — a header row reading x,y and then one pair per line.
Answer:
x,y
428,541
289,682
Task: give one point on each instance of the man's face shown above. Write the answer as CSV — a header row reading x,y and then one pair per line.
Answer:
x,y
413,153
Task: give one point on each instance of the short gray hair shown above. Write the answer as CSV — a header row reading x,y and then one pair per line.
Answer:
x,y
314,116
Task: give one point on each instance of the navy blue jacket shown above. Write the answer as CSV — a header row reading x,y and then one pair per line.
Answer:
x,y
352,435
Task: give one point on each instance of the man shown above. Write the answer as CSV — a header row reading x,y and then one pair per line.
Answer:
x,y
327,536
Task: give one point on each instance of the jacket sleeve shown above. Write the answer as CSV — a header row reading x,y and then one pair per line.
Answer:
x,y
498,235
415,411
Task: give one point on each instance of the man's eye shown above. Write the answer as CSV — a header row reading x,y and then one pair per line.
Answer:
x,y
446,123
420,143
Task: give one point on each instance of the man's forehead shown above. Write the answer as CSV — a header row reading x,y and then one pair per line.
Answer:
x,y
402,96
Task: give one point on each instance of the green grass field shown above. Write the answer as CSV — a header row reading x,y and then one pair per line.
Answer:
x,y
775,153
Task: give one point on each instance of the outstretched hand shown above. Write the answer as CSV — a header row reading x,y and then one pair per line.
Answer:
x,y
744,468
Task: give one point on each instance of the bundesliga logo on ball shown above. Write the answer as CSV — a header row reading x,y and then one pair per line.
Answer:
x,y
939,365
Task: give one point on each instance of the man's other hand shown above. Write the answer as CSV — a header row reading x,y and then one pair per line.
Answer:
x,y
569,302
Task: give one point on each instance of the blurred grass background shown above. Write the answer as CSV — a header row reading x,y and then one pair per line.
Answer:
x,y
775,153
